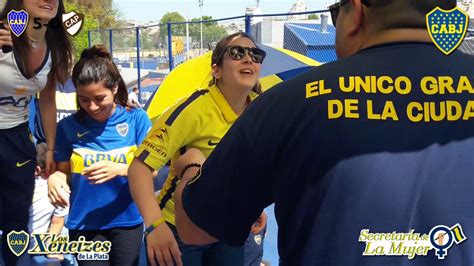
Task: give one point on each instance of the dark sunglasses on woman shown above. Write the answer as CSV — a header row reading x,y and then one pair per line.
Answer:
x,y
237,52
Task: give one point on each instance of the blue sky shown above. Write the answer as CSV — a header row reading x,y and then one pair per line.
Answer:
x,y
145,10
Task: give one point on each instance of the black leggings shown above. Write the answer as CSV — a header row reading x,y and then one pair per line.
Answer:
x,y
126,243
17,182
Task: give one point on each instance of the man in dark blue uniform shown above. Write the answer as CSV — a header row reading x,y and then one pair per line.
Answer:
x,y
374,147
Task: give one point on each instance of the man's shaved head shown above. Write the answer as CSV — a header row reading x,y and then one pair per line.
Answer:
x,y
393,14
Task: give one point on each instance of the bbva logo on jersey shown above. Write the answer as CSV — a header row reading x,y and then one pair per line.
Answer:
x,y
122,129
447,28
90,159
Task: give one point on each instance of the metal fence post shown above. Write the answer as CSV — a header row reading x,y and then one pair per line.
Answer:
x,y
170,47
111,43
137,30
248,28
89,38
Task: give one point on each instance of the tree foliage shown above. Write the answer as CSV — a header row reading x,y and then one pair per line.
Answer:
x,y
106,14
211,31
80,40
176,29
98,14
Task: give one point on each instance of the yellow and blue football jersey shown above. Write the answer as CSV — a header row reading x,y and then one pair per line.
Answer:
x,y
199,121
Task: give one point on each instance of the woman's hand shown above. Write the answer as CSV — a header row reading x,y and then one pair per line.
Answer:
x,y
192,155
162,247
259,224
5,36
103,171
58,189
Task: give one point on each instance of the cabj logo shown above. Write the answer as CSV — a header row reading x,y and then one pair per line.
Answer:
x,y
447,28
122,129
18,242
18,20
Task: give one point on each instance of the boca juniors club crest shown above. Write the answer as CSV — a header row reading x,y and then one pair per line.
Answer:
x,y
18,242
122,129
18,21
447,28
73,22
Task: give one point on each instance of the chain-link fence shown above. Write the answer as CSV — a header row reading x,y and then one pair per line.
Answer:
x,y
141,53
101,37
146,54
202,35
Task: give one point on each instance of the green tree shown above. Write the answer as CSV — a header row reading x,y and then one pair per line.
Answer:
x,y
313,16
211,31
98,14
204,18
195,30
213,34
107,16
146,41
104,11
176,30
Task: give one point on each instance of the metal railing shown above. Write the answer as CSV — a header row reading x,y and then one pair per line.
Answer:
x,y
146,54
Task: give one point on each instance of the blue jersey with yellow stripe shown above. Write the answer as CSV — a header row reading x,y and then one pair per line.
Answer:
x,y
110,204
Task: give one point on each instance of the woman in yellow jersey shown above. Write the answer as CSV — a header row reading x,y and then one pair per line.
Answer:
x,y
199,121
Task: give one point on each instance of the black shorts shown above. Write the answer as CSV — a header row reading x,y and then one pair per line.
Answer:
x,y
126,244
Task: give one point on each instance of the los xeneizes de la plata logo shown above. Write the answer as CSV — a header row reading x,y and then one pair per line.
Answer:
x,y
45,244
447,28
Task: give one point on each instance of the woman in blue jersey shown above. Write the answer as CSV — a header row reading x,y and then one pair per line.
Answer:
x,y
94,147
199,121
30,63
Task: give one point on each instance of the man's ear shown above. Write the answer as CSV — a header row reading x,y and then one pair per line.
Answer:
x,y
357,17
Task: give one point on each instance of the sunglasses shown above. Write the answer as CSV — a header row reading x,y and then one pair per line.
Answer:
x,y
334,9
237,52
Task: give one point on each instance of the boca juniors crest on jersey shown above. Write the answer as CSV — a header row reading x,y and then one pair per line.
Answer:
x,y
447,28
18,21
122,129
